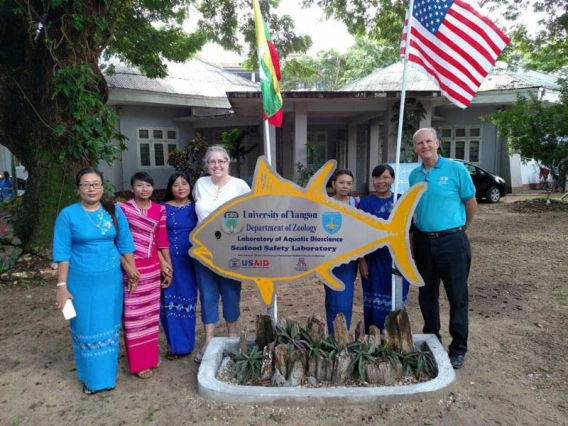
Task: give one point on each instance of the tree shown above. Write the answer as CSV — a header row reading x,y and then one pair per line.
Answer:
x,y
189,160
537,130
234,143
53,112
547,48
331,70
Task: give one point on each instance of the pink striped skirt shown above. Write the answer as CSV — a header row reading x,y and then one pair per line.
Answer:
x,y
141,317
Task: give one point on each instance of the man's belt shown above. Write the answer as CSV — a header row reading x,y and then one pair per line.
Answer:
x,y
440,233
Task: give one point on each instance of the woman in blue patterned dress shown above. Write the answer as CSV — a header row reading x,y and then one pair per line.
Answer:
x,y
180,298
376,267
91,241
342,301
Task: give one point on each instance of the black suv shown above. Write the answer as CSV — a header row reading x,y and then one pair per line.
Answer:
x,y
487,185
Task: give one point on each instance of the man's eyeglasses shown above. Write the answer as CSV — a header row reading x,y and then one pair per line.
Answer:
x,y
87,185
219,162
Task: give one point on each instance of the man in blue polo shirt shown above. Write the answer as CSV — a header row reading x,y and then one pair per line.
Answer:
x,y
440,245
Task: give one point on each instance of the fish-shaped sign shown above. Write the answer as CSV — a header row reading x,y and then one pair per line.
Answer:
x,y
280,232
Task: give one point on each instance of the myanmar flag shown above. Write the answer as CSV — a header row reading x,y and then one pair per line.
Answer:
x,y
269,70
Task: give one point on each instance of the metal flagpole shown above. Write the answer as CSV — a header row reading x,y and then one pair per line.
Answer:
x,y
272,310
399,134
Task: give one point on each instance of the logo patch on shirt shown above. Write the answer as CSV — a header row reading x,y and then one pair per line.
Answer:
x,y
443,180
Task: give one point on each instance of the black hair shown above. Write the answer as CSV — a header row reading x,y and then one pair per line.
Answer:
x,y
6,175
109,206
340,172
142,176
169,194
380,169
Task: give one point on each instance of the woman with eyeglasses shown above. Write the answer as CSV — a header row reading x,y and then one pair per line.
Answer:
x,y
209,193
90,242
179,300
147,222
376,267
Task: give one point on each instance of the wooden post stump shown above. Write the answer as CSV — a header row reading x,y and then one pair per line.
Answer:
x,y
267,369
360,332
264,331
281,358
374,336
341,368
243,343
340,330
398,332
316,328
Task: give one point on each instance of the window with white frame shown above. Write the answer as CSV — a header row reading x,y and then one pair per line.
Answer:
x,y
155,145
316,149
461,143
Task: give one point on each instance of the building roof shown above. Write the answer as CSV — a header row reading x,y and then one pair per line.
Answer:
x,y
390,79
191,78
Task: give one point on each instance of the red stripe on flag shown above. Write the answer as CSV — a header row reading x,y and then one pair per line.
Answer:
x,y
487,22
461,34
275,60
440,70
276,119
461,60
451,94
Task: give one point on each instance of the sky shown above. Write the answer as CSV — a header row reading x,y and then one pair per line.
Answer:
x,y
325,34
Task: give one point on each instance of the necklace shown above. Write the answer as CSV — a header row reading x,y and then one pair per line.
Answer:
x,y
97,225
176,204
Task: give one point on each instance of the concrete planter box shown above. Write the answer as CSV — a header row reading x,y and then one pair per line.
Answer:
x,y
210,387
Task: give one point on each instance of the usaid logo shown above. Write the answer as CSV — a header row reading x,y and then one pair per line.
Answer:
x,y
234,263
255,263
301,265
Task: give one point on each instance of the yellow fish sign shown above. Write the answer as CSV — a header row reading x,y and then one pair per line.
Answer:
x,y
281,232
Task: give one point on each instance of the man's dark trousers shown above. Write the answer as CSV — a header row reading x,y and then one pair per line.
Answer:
x,y
447,257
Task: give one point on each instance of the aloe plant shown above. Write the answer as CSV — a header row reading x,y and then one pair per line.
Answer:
x,y
420,362
361,354
248,365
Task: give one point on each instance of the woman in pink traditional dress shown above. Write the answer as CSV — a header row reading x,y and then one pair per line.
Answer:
x,y
147,222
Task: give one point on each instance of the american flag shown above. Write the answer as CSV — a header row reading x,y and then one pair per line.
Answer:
x,y
453,45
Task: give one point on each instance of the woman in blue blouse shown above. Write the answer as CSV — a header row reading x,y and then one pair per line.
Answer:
x,y
376,267
179,300
91,241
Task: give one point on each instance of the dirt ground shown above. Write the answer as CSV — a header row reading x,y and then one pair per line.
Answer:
x,y
516,372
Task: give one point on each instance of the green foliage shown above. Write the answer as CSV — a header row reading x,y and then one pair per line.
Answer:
x,y
292,335
536,130
421,363
414,113
330,347
53,94
305,173
88,123
361,354
248,365
9,246
190,159
234,143
381,20
331,70
545,49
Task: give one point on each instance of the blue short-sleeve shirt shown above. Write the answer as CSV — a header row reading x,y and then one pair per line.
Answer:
x,y
442,205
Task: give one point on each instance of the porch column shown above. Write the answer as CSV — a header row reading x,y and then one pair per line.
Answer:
x,y
300,137
287,148
352,148
389,138
375,150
